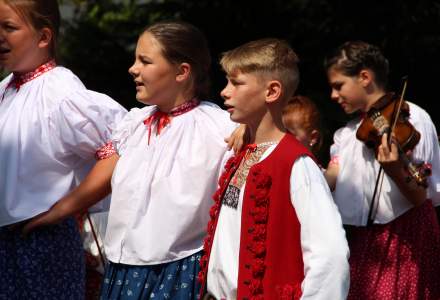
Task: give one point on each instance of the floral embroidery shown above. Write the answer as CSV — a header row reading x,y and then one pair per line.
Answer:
x,y
105,151
289,292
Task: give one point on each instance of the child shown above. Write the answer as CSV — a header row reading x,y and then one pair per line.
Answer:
x,y
51,127
397,256
302,119
275,232
167,162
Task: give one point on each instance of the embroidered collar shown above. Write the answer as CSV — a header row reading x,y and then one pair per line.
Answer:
x,y
18,80
163,119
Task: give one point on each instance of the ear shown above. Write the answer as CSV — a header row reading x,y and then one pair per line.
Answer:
x,y
46,36
366,77
273,91
183,72
314,137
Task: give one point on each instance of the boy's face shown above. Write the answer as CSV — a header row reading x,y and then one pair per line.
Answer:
x,y
245,95
295,124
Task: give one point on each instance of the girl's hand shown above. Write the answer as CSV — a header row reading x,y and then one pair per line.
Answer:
x,y
238,138
388,156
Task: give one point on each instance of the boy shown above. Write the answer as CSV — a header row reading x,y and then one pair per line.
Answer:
x,y
275,232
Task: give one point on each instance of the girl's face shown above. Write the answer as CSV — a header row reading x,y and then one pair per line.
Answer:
x,y
348,91
154,76
295,124
20,44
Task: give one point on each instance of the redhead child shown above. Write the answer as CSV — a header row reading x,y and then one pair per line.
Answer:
x,y
165,169
301,118
51,129
396,257
275,232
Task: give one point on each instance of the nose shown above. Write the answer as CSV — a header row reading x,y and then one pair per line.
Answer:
x,y
334,95
226,93
133,70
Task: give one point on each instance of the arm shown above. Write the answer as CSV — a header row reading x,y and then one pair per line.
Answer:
x,y
331,174
323,243
91,190
388,157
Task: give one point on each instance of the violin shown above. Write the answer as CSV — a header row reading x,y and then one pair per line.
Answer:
x,y
390,114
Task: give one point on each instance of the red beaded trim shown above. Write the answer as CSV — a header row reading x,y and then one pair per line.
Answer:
x,y
105,151
18,80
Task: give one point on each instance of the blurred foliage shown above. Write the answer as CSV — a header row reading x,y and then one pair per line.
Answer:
x,y
99,41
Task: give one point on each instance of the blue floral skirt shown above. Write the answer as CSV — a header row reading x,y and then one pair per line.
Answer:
x,y
175,280
47,264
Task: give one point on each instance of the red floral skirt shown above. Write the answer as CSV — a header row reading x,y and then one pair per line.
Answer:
x,y
398,260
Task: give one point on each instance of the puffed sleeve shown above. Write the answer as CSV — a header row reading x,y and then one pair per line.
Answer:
x,y
85,121
126,126
427,151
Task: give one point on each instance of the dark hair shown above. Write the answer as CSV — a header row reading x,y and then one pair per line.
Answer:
x,y
353,56
39,14
183,42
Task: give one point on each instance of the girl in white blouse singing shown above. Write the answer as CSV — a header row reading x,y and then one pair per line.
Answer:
x,y
51,129
166,164
394,235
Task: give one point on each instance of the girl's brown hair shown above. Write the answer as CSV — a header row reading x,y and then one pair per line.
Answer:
x,y
39,14
310,116
183,42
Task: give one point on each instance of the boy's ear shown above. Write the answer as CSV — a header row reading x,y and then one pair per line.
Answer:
x,y
273,91
45,38
183,72
366,77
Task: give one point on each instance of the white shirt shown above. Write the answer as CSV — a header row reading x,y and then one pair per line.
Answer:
x,y
162,192
323,244
50,130
358,171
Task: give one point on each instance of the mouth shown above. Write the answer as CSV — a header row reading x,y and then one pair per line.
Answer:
x,y
138,84
229,108
4,50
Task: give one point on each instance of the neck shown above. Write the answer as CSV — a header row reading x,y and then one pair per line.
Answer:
x,y
41,60
372,98
177,100
269,129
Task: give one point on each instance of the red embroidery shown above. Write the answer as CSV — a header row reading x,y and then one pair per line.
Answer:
x,y
163,119
289,292
105,151
18,80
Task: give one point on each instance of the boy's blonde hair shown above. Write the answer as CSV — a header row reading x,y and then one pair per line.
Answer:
x,y
270,58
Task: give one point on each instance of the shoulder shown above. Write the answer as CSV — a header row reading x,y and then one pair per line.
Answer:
x,y
214,118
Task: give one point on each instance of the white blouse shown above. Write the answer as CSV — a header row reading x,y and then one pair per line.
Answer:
x,y
358,170
50,129
162,191
323,244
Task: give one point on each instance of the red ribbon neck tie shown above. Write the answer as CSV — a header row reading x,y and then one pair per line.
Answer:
x,y
163,119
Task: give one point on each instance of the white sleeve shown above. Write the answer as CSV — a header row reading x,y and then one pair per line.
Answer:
x,y
85,121
323,243
427,151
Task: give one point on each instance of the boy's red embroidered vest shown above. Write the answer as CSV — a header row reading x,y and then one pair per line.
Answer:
x,y
270,259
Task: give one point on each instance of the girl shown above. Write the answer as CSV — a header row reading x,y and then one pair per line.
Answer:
x,y
396,256
51,128
168,158
301,118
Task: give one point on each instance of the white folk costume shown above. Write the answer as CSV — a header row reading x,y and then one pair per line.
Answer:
x,y
275,232
396,256
161,193
51,128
